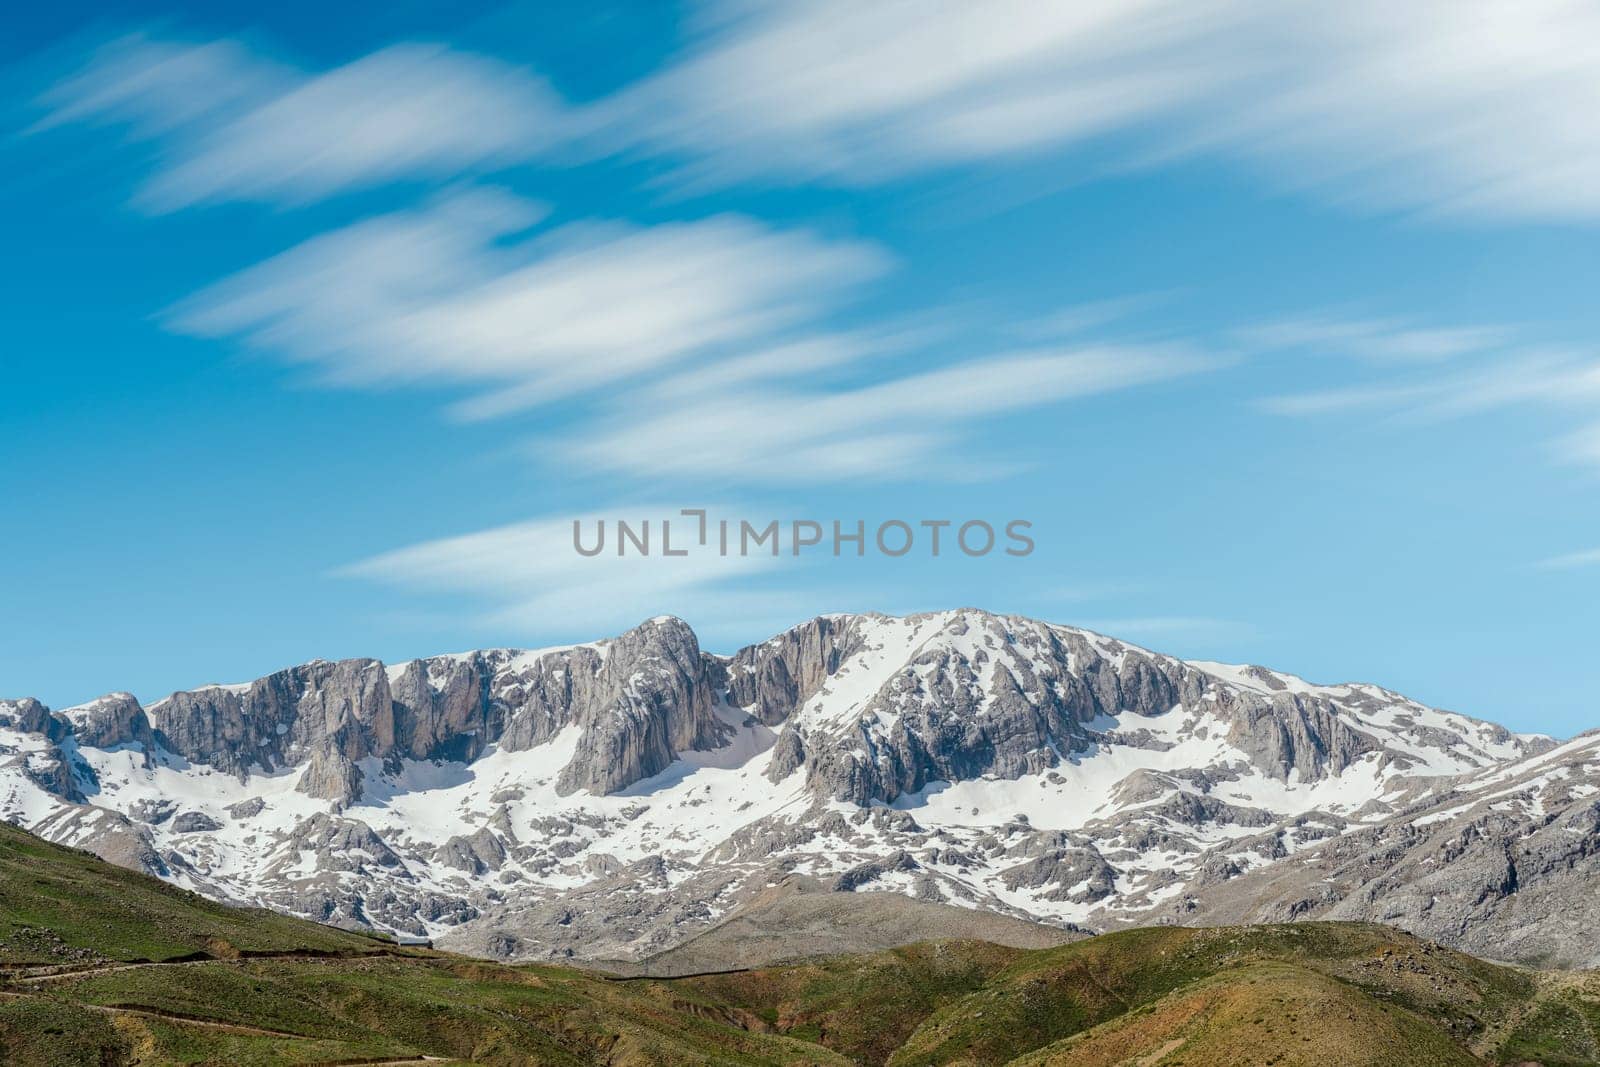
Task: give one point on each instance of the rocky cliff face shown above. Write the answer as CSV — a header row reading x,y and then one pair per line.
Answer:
x,y
950,698
637,701
111,722
616,797
318,709
1503,862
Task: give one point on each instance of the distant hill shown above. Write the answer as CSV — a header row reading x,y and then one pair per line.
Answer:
x,y
100,965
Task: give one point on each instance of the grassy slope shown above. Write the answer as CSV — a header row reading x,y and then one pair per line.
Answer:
x,y
60,905
1320,993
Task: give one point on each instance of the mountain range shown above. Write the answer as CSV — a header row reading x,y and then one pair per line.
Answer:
x,y
104,966
619,799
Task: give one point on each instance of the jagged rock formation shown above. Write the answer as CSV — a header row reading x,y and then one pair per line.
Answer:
x,y
1503,862
615,798
638,700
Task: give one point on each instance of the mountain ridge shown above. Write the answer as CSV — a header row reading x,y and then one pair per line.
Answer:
x,y
614,798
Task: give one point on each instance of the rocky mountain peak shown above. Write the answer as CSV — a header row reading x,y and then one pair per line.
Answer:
x,y
611,796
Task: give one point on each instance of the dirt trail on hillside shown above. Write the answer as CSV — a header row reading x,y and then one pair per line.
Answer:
x,y
21,976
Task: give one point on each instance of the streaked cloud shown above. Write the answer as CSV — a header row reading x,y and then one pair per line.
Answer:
x,y
1513,376
899,426
703,343
234,126
1434,374
527,578
447,294
1472,109
1475,109
1583,447
1382,340
1572,560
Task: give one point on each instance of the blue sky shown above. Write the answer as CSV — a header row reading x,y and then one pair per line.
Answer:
x,y
324,323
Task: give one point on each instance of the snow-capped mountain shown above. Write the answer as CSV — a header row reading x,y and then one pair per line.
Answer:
x,y
613,799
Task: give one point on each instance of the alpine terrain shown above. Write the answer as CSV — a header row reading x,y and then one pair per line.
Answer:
x,y
104,966
621,799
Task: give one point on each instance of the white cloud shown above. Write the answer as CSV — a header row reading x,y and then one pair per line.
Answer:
x,y
839,89
1514,376
903,425
441,295
1583,447
527,577
1466,107
1572,560
1476,108
702,340
1428,375
235,126
1382,340
1334,401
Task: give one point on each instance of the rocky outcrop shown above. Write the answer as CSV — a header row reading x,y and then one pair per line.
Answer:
x,y
1504,865
194,822
331,775
45,757
772,679
476,853
654,700
981,695
1287,733
443,708
342,845
113,721
29,716
282,719
1079,875
638,700
108,834
247,809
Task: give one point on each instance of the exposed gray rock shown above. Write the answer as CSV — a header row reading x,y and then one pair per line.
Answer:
x,y
443,708
194,822
476,853
774,678
108,834
1505,867
282,719
112,721
330,775
153,812
29,716
45,759
865,873
247,809
655,701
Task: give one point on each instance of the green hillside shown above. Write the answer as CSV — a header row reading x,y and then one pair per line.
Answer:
x,y
60,905
99,965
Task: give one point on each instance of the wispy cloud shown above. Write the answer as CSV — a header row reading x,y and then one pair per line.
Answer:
x,y
1434,374
875,431
703,342
1473,109
1478,109
1571,560
1583,447
235,126
1513,377
528,579
1380,340
443,294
